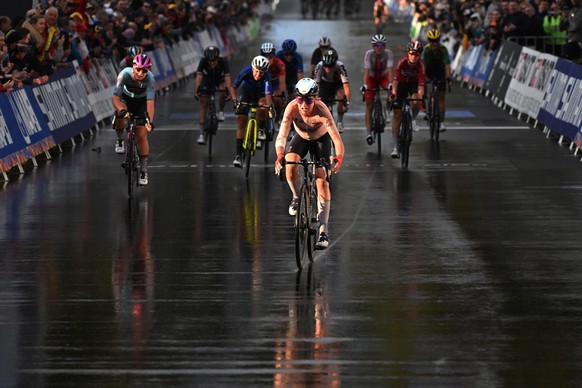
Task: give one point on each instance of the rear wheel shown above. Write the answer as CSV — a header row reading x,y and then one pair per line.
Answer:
x,y
378,124
211,126
302,239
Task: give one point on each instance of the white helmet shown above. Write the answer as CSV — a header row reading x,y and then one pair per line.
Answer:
x,y
267,48
306,87
325,41
260,63
378,38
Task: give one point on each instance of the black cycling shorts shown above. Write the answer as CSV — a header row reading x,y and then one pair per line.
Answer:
x,y
136,106
319,148
328,90
405,90
249,96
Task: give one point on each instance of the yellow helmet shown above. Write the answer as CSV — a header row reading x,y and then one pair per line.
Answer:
x,y
433,34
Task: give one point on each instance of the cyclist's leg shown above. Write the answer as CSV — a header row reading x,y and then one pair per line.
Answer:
x,y
323,150
119,127
299,147
341,108
369,96
221,99
202,119
262,117
442,103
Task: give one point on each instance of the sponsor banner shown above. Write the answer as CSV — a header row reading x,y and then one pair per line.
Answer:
x,y
23,133
163,68
63,104
101,84
500,75
484,68
471,65
529,80
459,61
561,109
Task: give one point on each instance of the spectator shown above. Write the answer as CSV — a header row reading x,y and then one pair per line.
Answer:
x,y
35,25
516,23
493,33
551,24
572,24
5,24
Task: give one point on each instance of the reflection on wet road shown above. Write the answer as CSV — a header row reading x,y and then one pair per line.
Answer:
x,y
462,271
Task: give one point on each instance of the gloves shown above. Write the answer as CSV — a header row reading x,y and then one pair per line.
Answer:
x,y
235,104
122,113
392,97
338,159
363,88
279,164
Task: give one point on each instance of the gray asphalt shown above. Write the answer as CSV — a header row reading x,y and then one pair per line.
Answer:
x,y
463,271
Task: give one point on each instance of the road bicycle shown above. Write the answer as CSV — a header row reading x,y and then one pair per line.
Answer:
x,y
405,133
211,121
131,160
434,112
379,118
306,217
250,138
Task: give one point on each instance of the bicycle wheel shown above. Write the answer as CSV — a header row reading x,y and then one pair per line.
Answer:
x,y
405,139
130,173
249,144
312,236
302,227
436,118
378,124
211,126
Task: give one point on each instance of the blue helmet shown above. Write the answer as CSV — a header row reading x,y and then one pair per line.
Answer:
x,y
289,46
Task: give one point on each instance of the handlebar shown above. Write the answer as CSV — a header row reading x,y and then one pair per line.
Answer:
x,y
322,163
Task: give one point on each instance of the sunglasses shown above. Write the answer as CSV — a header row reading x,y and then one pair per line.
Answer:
x,y
327,66
379,45
288,54
141,70
414,53
305,100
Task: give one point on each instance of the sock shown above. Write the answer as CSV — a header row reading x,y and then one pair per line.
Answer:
x,y
239,148
143,162
295,186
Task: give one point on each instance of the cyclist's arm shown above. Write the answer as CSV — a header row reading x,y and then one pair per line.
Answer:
x,y
150,106
395,86
366,76
347,91
198,81
227,82
117,103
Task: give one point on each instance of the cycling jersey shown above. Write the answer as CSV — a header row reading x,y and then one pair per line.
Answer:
x,y
248,82
435,62
276,69
339,73
125,62
127,86
378,66
213,76
292,67
311,127
410,73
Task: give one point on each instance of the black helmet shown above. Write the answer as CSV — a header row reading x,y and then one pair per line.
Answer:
x,y
211,53
329,58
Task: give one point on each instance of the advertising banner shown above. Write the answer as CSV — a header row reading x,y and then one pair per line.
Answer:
x,y
500,75
529,80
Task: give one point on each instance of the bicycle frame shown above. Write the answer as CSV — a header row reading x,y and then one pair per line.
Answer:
x,y
250,138
211,122
405,133
131,160
434,112
306,217
378,118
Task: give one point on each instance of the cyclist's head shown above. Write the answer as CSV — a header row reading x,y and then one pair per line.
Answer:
x,y
211,53
142,61
268,50
329,58
289,47
306,87
414,51
433,35
378,40
324,42
133,51
260,63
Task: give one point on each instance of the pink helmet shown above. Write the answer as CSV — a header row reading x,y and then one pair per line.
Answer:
x,y
143,61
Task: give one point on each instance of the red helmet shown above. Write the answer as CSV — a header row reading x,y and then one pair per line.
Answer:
x,y
414,45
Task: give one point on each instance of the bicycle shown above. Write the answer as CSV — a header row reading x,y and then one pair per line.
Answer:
x,y
434,111
405,134
250,137
211,121
379,118
131,160
306,217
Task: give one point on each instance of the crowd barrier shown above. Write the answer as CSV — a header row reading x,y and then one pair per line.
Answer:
x,y
36,119
535,85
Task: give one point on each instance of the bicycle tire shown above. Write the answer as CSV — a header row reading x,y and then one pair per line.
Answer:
x,y
379,122
405,138
436,117
249,144
312,236
211,125
302,227
130,173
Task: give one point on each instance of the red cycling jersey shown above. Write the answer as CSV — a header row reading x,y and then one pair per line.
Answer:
x,y
277,69
406,72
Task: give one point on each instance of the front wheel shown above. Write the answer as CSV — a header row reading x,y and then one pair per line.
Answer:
x,y
405,140
302,236
249,144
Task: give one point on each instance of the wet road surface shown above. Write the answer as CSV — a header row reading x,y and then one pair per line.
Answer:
x,y
463,271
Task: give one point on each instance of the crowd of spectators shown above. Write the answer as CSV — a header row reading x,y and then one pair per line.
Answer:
x,y
551,26
57,32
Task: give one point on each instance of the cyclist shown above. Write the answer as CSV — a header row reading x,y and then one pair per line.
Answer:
x,y
380,15
293,65
132,51
378,64
135,92
409,79
332,78
438,68
256,87
213,73
316,131
324,45
278,72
